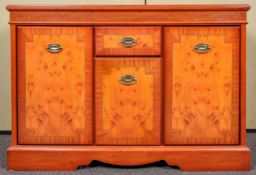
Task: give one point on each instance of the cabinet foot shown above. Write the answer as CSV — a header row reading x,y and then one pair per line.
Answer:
x,y
188,158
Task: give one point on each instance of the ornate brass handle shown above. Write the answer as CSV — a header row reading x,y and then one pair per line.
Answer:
x,y
128,80
54,48
202,48
128,42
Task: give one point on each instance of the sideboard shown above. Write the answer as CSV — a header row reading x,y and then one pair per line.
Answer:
x,y
128,85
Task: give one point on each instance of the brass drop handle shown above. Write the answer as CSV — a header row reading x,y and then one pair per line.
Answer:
x,y
128,80
54,48
128,42
202,48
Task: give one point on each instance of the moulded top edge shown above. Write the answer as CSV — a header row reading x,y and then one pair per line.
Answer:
x,y
216,7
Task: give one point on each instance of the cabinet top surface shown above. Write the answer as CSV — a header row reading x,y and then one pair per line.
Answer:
x,y
225,7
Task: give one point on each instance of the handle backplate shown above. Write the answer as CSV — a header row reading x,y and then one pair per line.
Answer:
x,y
54,48
202,48
128,42
128,80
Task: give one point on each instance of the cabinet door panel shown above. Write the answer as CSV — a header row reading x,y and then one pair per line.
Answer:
x,y
128,113
54,89
202,86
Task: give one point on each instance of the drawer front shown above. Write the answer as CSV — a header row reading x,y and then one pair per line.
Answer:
x,y
54,85
202,85
131,41
128,101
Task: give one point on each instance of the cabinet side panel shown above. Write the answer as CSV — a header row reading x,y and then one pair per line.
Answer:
x,y
202,89
243,87
14,83
55,89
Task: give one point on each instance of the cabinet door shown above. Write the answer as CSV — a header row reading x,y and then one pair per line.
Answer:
x,y
202,85
54,85
128,101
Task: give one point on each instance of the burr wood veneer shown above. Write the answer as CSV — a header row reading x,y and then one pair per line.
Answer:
x,y
128,85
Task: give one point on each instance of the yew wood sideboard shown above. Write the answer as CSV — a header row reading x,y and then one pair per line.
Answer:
x,y
128,85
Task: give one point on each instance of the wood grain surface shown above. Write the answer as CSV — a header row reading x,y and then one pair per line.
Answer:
x,y
108,41
54,89
188,158
243,86
124,18
202,90
13,33
128,114
212,7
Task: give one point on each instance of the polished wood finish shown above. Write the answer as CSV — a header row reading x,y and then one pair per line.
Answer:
x,y
128,18
124,15
222,7
108,41
128,114
159,101
54,89
195,158
202,89
243,86
14,83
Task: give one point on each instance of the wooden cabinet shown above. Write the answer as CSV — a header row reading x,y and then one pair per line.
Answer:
x,y
128,85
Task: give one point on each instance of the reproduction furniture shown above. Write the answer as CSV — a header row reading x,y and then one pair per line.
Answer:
x,y
128,85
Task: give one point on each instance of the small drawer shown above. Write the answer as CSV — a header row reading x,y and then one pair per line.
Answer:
x,y
130,41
